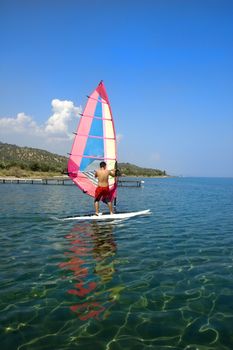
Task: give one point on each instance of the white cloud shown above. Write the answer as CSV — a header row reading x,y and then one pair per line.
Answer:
x,y
55,134
119,137
21,124
63,113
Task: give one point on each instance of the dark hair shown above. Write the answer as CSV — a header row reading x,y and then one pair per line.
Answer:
x,y
102,164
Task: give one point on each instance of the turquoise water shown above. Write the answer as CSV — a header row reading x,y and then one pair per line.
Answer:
x,y
158,282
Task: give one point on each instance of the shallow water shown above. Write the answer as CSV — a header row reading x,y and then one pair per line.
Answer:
x,y
163,281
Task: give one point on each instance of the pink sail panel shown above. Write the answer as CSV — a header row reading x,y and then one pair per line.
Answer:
x,y
95,141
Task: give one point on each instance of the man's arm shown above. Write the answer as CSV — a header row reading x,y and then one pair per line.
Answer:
x,y
112,172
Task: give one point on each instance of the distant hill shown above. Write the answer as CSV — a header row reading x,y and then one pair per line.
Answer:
x,y
134,170
15,159
30,159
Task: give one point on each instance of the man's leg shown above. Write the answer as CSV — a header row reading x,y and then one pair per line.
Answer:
x,y
110,207
96,204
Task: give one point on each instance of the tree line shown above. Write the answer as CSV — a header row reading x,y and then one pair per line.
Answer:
x,y
37,160
33,166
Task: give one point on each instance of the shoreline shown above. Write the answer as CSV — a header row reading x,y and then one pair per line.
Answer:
x,y
65,177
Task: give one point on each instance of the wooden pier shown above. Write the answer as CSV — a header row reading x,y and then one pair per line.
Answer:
x,y
37,181
129,183
63,181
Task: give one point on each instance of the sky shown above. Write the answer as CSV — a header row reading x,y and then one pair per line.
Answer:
x,y
167,66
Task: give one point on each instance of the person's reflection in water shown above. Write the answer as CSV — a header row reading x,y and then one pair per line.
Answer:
x,y
103,250
91,241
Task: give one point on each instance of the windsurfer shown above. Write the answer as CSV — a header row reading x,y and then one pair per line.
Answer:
x,y
102,191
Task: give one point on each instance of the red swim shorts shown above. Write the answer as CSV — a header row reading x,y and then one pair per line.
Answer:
x,y
102,193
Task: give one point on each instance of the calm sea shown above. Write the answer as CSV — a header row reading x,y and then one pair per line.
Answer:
x,y
164,281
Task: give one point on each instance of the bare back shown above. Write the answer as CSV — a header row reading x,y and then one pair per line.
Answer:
x,y
102,175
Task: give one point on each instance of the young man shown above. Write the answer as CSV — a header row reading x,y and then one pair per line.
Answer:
x,y
102,191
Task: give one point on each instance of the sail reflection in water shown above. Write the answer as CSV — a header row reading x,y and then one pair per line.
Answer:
x,y
91,267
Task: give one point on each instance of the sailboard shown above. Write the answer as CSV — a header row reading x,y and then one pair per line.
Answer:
x,y
101,217
95,141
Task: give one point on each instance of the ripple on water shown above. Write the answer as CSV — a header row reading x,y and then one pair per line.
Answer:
x,y
158,282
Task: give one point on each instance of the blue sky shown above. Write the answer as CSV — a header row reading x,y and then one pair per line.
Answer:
x,y
167,66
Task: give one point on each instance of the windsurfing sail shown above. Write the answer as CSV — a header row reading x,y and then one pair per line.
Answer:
x,y
95,141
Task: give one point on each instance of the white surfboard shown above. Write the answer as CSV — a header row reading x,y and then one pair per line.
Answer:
x,y
102,217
